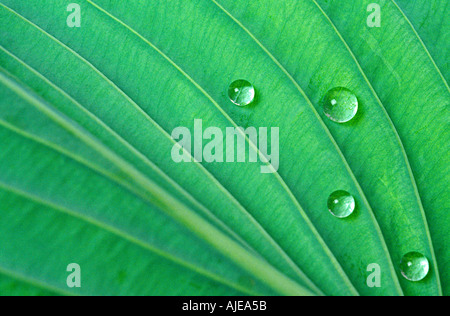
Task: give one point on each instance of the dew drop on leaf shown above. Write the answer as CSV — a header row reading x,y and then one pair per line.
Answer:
x,y
241,92
341,204
340,105
414,266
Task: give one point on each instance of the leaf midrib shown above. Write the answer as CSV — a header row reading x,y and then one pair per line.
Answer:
x,y
136,153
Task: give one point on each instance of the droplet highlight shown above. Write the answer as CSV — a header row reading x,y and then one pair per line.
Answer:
x,y
341,204
241,92
414,266
340,105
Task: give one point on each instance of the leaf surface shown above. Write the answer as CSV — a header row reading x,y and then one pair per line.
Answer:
x,y
87,115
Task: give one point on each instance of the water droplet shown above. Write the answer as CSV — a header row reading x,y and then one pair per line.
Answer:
x,y
414,266
341,204
340,105
241,92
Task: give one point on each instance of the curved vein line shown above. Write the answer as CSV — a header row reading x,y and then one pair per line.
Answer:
x,y
327,131
165,202
422,43
221,188
254,147
33,282
110,228
397,135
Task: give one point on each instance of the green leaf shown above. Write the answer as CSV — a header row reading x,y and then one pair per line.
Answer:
x,y
86,173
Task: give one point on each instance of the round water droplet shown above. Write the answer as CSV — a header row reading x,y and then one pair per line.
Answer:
x,y
241,92
341,204
340,105
414,266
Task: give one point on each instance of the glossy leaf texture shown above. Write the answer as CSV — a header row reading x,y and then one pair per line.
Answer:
x,y
86,174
